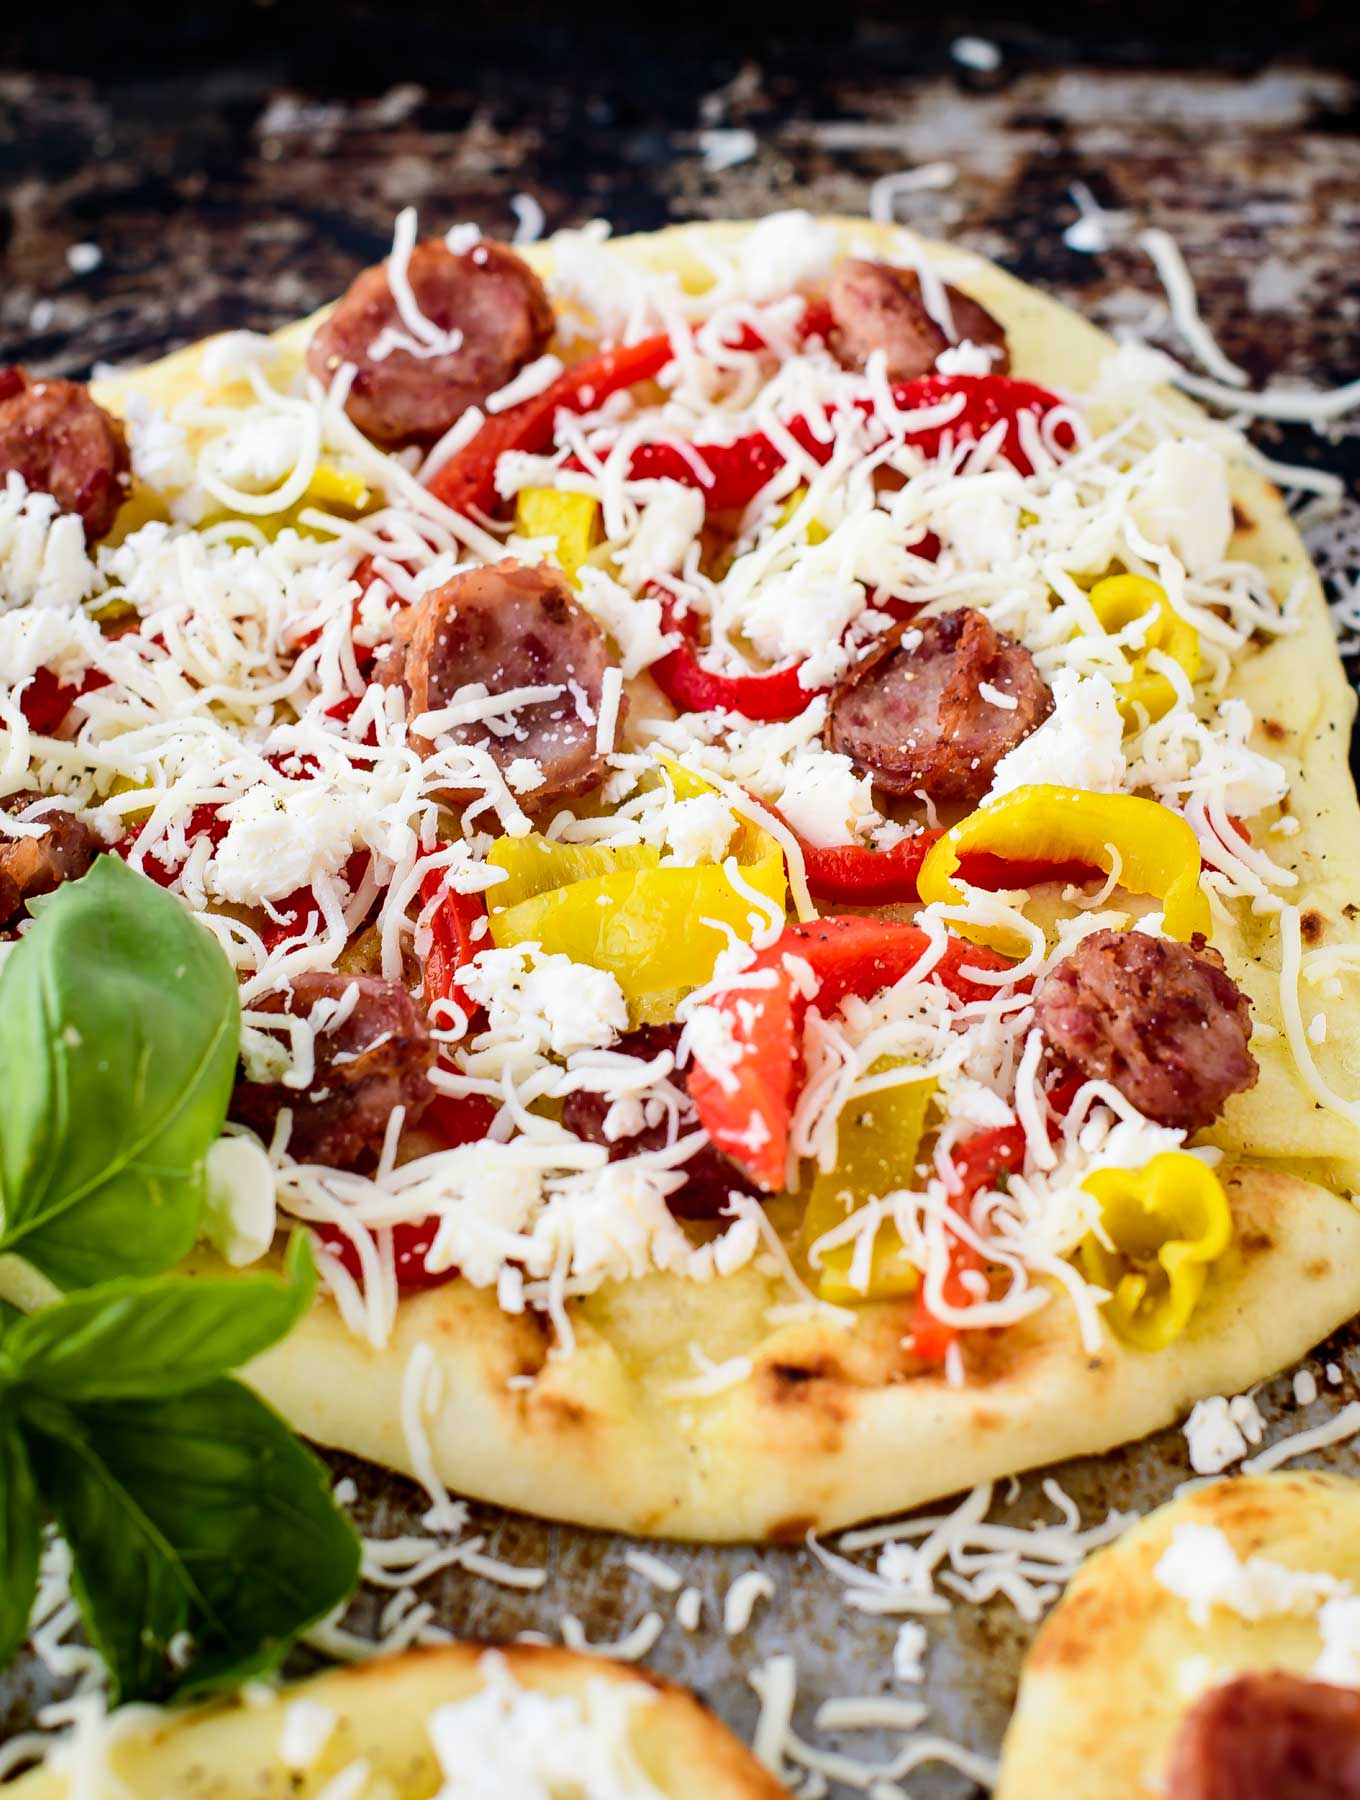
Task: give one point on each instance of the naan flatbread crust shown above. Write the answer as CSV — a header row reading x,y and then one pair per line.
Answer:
x,y
1119,1661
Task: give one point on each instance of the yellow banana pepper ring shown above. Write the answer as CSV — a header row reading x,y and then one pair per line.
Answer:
x,y
571,520
1120,599
877,1140
1157,851
1167,1222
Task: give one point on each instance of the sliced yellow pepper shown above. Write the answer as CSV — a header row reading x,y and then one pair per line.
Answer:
x,y
816,532
534,865
655,929
124,784
571,520
1157,851
1120,599
1167,1222
877,1139
330,489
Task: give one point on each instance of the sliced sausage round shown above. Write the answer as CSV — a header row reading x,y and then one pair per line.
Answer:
x,y
877,307
1269,1735
489,305
507,627
1161,1021
710,1177
62,443
912,716
30,866
376,1058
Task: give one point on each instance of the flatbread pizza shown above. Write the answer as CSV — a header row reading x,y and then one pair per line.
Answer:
x,y
781,815
1210,1654
463,1721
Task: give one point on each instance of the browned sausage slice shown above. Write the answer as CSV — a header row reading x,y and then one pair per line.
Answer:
x,y
55,436
911,713
488,302
1269,1736
30,866
508,627
877,307
377,1058
709,1176
1161,1021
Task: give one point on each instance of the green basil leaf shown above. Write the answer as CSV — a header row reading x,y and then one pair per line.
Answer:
x,y
159,1335
134,1593
119,1027
20,1536
197,1513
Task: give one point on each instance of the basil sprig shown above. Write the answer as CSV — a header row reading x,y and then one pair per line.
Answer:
x,y
119,1030
203,1535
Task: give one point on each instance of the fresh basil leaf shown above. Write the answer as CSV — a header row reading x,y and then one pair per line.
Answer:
x,y
134,1593
197,1513
158,1335
20,1536
119,1027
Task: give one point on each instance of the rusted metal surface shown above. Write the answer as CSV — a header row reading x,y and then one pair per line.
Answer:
x,y
238,199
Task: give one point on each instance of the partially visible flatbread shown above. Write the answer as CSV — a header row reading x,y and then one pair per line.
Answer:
x,y
829,1427
231,1751
1117,1665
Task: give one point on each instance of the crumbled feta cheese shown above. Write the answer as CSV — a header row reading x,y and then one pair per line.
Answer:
x,y
546,1003
1339,1658
699,829
1080,744
279,841
826,800
909,1652
524,775
307,1728
239,1213
1201,1567
43,561
1219,1431
507,1739
1181,499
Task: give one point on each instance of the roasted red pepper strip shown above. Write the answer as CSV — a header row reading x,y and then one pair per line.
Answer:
x,y
46,701
300,908
739,470
746,1109
204,821
770,695
452,944
855,875
468,479
978,1164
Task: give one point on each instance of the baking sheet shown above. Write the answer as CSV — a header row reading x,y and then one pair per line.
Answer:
x,y
1277,265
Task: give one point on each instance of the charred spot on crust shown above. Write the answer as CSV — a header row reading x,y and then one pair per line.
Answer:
x,y
793,1379
1082,1629
1312,925
1253,1241
1317,1268
791,1531
563,1410
1241,518
1273,729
